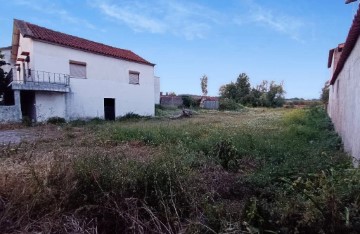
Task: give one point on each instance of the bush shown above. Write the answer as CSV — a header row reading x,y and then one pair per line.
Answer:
x,y
56,120
129,116
26,121
189,102
229,104
227,155
96,120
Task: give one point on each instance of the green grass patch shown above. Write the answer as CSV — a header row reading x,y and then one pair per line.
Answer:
x,y
250,171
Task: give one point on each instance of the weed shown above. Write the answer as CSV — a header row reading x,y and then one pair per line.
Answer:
x,y
131,116
56,120
26,121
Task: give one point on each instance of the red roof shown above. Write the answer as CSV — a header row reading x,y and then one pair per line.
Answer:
x,y
43,34
351,39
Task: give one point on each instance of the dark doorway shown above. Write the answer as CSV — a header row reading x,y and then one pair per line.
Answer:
x,y
109,108
27,99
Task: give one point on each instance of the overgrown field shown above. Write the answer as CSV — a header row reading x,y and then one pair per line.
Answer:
x,y
254,171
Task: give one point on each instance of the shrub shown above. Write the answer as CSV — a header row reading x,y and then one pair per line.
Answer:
x,y
229,104
96,120
129,116
56,120
189,102
227,154
26,121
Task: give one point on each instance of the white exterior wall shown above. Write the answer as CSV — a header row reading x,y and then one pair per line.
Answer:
x,y
27,45
344,103
49,104
157,89
106,78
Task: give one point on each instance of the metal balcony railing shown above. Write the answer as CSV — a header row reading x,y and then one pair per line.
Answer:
x,y
42,77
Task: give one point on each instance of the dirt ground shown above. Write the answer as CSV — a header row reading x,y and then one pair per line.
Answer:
x,y
17,134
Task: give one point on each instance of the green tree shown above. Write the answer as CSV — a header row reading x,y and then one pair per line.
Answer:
x,y
204,85
6,93
267,94
243,88
324,97
275,95
3,83
228,91
237,91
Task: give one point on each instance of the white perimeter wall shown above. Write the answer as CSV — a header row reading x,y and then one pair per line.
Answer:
x,y
106,78
344,103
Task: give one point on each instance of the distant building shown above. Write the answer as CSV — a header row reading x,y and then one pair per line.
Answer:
x,y
56,74
205,102
344,93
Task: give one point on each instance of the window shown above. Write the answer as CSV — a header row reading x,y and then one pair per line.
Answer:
x,y
134,77
77,69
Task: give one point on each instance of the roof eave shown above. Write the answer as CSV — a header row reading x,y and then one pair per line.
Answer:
x,y
351,40
87,51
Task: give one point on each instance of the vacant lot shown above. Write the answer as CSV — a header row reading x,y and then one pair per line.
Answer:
x,y
254,171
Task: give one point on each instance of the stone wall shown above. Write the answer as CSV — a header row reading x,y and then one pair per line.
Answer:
x,y
10,114
171,101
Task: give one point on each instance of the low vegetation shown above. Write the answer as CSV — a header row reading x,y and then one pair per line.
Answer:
x,y
250,171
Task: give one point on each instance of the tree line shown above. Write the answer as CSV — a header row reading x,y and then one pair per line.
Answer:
x,y
266,94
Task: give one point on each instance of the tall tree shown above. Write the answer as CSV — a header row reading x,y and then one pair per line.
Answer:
x,y
204,84
325,93
275,95
243,88
228,91
2,78
6,93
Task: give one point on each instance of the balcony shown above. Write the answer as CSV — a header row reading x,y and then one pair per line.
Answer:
x,y
42,81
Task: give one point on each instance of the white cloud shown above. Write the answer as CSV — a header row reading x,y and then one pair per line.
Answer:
x,y
136,21
282,23
48,8
188,20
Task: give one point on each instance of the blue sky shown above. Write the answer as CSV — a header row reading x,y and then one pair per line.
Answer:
x,y
280,40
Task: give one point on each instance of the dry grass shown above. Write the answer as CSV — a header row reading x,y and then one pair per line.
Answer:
x,y
143,176
39,172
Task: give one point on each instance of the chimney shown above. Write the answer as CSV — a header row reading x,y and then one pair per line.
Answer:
x,y
349,1
337,53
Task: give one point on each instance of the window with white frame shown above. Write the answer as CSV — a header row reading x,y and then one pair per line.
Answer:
x,y
77,69
134,77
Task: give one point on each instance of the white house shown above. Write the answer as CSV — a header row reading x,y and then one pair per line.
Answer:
x,y
56,74
344,93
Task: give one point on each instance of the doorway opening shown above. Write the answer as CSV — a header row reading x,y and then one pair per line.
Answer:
x,y
28,108
109,108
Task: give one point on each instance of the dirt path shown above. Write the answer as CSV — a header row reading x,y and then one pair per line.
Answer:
x,y
18,135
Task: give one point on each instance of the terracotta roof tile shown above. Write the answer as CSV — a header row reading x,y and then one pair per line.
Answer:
x,y
44,34
349,45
